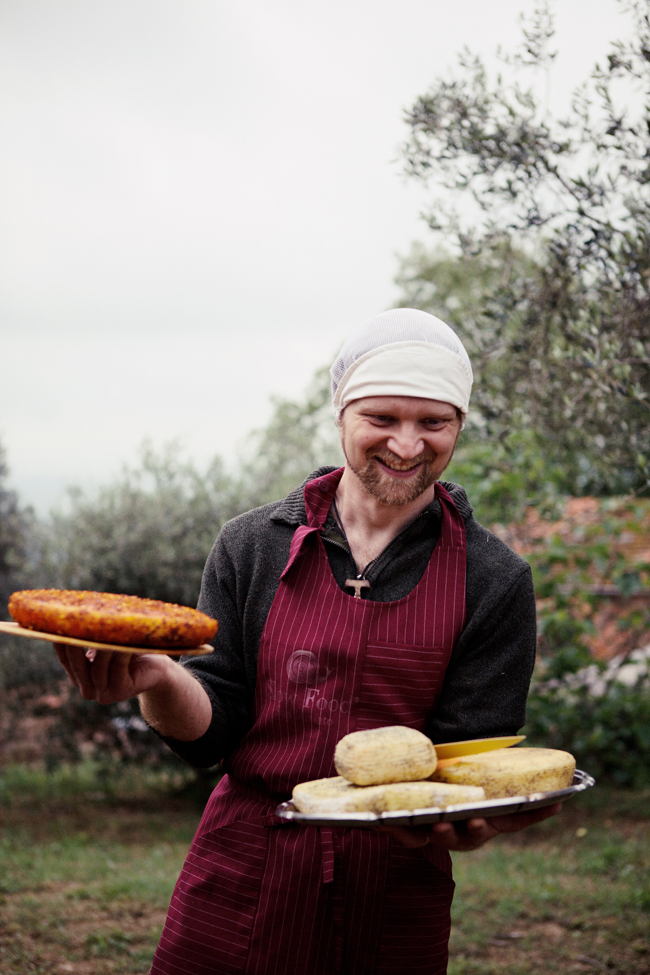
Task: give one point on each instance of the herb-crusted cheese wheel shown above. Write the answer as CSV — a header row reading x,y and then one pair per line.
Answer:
x,y
512,771
379,755
337,795
111,618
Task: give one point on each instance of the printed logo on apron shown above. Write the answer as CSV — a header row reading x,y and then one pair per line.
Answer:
x,y
303,668
305,673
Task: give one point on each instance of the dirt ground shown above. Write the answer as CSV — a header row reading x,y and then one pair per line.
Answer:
x,y
85,891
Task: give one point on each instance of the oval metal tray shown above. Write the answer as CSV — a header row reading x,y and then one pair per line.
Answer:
x,y
487,808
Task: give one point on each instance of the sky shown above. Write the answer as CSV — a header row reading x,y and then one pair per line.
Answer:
x,y
200,200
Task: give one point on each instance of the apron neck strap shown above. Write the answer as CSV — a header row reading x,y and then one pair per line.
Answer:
x,y
452,534
319,494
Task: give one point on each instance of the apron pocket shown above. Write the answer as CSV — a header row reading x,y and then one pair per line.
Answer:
x,y
400,685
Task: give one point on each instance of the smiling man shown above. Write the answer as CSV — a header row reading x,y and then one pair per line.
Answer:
x,y
369,596
396,448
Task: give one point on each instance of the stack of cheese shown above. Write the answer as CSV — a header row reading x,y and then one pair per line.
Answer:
x,y
381,770
511,771
396,768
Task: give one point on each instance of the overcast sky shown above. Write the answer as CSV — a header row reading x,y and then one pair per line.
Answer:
x,y
199,199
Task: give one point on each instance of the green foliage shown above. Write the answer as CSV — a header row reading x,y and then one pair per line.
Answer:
x,y
609,734
19,556
549,285
147,534
16,532
300,437
573,568
26,663
89,781
505,475
576,703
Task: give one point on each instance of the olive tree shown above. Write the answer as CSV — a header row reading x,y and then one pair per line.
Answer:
x,y
16,524
146,534
150,531
549,219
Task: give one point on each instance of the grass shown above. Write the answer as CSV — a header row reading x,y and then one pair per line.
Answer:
x,y
87,866
86,877
86,890
90,781
572,894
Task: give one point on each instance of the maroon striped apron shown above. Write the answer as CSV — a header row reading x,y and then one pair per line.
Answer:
x,y
263,897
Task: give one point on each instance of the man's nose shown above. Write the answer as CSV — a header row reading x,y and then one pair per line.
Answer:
x,y
406,442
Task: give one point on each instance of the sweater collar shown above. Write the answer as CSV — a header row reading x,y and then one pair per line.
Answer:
x,y
292,509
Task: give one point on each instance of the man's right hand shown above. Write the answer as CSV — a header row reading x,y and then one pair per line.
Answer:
x,y
108,676
171,700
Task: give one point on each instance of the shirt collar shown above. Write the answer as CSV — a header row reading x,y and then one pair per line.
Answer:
x,y
292,509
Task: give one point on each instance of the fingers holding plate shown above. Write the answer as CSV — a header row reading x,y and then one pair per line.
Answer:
x,y
86,668
69,660
107,676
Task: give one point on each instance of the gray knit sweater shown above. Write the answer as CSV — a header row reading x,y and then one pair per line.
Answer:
x,y
486,684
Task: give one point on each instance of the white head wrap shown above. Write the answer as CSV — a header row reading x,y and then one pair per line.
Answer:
x,y
403,352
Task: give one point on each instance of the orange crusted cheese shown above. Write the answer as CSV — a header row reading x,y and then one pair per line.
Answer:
x,y
107,617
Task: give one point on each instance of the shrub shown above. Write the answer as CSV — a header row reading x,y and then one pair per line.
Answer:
x,y
609,734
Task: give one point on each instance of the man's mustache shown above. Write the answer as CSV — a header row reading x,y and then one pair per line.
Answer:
x,y
393,460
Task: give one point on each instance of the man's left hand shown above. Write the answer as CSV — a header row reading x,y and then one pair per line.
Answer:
x,y
471,833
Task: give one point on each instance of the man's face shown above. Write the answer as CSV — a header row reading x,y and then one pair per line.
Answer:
x,y
398,445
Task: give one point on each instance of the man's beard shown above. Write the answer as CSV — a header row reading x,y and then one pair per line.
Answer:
x,y
393,490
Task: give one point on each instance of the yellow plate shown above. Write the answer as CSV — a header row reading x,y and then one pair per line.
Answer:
x,y
16,630
454,749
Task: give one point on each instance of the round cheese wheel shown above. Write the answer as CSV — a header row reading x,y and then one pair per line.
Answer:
x,y
111,618
511,771
337,795
393,753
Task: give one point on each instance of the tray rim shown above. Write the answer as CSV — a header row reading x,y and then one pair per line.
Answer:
x,y
15,629
484,809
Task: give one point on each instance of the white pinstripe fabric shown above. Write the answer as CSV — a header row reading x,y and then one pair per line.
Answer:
x,y
251,898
